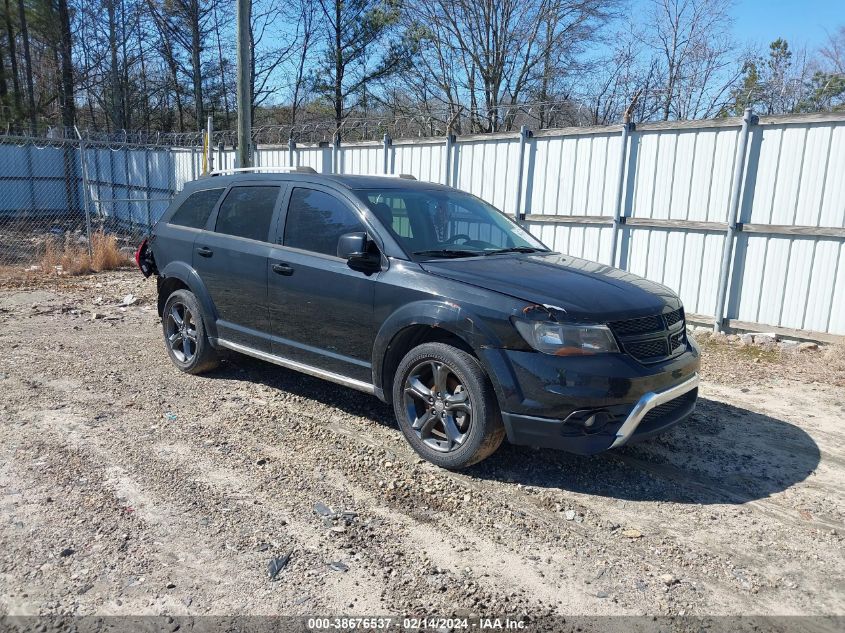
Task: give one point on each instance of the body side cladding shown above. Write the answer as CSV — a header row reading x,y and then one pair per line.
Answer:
x,y
450,318
187,275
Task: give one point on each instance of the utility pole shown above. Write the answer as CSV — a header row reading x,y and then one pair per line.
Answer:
x,y
244,155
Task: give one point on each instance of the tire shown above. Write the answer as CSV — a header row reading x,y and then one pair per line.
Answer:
x,y
461,426
185,338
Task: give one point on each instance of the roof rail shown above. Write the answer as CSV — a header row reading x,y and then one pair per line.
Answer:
x,y
402,176
278,170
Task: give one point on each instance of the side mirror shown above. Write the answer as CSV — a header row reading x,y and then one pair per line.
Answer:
x,y
359,252
351,244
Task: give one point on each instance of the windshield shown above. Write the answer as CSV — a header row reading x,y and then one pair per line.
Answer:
x,y
434,223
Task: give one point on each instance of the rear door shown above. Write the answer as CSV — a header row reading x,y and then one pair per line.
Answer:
x,y
321,311
231,259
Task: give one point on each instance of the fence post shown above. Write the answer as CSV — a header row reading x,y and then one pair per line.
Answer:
x,y
291,152
524,135
30,169
627,126
85,193
336,154
748,120
147,187
130,207
209,149
385,142
447,159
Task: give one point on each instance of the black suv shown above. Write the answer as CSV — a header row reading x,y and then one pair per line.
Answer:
x,y
428,298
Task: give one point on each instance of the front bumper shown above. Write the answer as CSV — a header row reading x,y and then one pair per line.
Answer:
x,y
587,405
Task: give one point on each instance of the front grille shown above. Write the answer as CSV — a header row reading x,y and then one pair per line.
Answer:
x,y
677,341
673,317
653,348
653,338
637,326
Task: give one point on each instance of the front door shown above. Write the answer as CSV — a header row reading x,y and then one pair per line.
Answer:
x,y
321,311
231,259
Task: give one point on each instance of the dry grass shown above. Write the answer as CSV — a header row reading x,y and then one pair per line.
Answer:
x,y
748,366
72,258
106,253
833,358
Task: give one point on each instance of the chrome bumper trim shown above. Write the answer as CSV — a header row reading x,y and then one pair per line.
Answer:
x,y
648,402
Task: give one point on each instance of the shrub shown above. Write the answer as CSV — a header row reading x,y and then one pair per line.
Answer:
x,y
106,253
72,258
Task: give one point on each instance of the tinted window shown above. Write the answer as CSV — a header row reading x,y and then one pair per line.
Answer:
x,y
392,212
316,220
196,208
447,223
247,211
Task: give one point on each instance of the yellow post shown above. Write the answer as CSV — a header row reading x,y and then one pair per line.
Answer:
x,y
205,141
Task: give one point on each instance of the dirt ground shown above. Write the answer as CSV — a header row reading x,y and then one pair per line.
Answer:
x,y
127,487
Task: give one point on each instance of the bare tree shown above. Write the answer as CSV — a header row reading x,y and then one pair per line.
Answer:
x,y
186,22
833,52
495,52
357,52
13,59
66,44
271,46
692,50
27,56
306,32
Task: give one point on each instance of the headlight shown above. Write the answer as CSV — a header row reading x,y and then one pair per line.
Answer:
x,y
566,340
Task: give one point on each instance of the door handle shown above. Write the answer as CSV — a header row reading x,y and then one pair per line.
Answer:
x,y
283,269
204,251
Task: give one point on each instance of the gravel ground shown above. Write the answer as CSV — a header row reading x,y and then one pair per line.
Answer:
x,y
127,487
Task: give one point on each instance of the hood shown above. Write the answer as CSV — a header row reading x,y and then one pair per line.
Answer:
x,y
584,290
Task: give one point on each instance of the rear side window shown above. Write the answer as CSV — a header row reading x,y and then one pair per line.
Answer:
x,y
316,220
196,208
247,211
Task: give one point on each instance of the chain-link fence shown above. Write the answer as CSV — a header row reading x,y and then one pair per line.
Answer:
x,y
60,194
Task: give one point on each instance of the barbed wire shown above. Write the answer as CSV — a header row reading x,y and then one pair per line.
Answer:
x,y
397,122
400,122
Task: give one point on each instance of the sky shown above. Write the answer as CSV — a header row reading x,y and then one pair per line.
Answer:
x,y
802,23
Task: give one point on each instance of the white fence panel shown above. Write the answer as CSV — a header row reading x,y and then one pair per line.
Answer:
x,y
362,159
318,158
788,259
425,160
272,156
573,175
487,168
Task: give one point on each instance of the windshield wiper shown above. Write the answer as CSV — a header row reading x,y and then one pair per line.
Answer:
x,y
513,249
448,252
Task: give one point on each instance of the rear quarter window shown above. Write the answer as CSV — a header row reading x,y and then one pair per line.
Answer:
x,y
196,208
247,211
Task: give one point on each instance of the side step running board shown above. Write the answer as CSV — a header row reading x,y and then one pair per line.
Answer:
x,y
340,379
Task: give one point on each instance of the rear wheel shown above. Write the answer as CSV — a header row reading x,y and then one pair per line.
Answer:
x,y
185,335
446,407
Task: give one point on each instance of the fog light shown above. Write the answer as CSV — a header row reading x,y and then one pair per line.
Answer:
x,y
591,421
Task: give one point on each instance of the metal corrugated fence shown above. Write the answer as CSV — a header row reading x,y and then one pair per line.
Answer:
x,y
654,199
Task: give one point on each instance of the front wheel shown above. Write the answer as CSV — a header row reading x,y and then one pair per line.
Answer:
x,y
184,334
446,407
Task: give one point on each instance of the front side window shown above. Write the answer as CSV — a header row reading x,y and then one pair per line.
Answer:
x,y
196,208
247,211
316,220
444,223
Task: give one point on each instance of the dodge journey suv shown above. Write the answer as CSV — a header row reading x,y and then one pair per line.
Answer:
x,y
428,298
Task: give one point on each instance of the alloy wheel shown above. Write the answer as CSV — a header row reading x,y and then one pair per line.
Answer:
x,y
181,332
438,406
